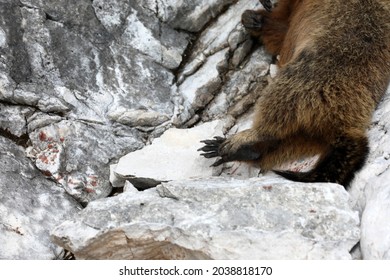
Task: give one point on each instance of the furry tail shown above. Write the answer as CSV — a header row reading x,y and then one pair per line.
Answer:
x,y
346,156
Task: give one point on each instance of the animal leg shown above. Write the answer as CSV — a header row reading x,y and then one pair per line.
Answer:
x,y
270,25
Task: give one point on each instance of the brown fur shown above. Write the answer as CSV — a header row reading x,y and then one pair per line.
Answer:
x,y
334,68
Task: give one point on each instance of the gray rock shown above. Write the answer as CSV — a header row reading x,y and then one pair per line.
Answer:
x,y
30,207
13,119
241,89
76,74
199,89
216,218
221,47
138,117
77,155
187,15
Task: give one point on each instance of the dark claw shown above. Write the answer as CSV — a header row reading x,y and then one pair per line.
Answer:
x,y
210,154
218,162
208,148
267,4
212,144
211,148
209,143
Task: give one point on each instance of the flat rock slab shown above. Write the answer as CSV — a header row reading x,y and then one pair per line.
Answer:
x,y
173,156
216,218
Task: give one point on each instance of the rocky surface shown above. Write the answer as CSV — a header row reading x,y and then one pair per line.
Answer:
x,y
370,192
87,87
30,207
217,218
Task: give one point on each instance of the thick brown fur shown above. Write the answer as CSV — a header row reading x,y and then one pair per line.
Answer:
x,y
334,58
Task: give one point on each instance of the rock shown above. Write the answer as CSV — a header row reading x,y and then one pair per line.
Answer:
x,y
140,117
221,44
62,151
30,207
13,119
241,90
370,191
173,156
162,44
78,70
216,218
198,89
76,74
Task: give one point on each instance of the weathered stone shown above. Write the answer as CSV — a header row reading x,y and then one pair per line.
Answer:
x,y
173,156
188,15
242,89
30,207
199,89
66,62
13,119
216,218
159,42
134,117
200,80
77,155
370,190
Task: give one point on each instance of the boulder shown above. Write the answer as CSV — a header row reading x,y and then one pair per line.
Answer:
x,y
216,218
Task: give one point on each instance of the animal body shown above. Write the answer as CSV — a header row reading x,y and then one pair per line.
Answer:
x,y
334,58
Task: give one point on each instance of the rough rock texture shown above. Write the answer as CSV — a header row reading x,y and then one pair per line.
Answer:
x,y
217,218
371,189
71,71
30,207
84,83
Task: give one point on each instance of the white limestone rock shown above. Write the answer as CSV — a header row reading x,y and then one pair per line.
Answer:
x,y
216,218
199,89
173,156
370,191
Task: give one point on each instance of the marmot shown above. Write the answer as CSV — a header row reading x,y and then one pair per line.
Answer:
x,y
334,58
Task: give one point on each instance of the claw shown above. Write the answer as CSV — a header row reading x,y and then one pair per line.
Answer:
x,y
210,154
217,163
267,4
208,148
211,147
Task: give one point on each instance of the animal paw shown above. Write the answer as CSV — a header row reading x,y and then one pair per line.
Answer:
x,y
252,20
211,149
231,149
